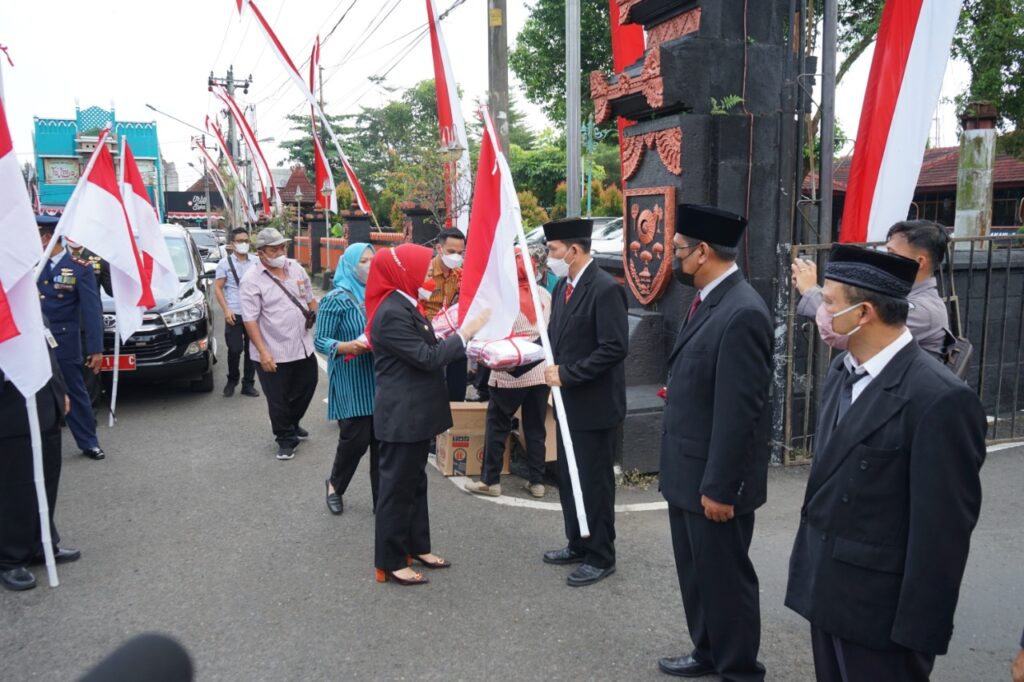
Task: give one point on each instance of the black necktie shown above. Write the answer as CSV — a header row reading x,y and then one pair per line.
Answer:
x,y
846,397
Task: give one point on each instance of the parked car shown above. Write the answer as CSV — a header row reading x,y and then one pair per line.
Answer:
x,y
208,241
607,237
176,340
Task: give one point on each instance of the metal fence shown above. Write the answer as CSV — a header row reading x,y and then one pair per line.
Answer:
x,y
982,283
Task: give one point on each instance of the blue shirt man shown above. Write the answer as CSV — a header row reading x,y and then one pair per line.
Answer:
x,y
70,299
230,271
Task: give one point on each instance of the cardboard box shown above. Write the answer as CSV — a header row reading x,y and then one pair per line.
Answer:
x,y
551,431
460,449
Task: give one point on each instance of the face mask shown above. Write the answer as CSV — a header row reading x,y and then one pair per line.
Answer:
x,y
452,260
685,278
840,314
363,272
825,331
277,262
425,294
242,248
558,266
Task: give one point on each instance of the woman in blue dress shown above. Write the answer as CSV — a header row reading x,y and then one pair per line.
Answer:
x,y
339,336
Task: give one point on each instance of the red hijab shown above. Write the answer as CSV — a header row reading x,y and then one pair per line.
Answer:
x,y
402,268
525,297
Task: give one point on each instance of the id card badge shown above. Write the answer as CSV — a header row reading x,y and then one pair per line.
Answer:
x,y
50,340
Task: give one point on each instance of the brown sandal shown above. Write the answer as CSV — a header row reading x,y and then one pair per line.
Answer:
x,y
384,576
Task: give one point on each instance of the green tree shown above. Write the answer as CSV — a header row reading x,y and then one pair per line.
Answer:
x,y
610,202
538,58
533,213
538,170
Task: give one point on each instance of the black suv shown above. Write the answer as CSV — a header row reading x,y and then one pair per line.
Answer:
x,y
176,340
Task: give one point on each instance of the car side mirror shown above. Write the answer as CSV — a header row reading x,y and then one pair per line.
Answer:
x,y
210,274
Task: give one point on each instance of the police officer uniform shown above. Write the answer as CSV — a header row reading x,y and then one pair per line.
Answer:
x,y
70,301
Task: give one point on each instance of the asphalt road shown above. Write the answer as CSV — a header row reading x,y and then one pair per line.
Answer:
x,y
191,527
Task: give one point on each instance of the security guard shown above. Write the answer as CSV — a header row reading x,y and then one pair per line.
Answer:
x,y
70,300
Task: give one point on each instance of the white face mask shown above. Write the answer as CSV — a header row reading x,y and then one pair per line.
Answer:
x,y
425,294
242,248
559,266
277,262
452,260
363,272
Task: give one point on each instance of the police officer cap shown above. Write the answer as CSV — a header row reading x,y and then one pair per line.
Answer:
x,y
47,223
710,224
877,271
568,228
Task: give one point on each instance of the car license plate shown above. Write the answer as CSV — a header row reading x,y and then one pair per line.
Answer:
x,y
126,364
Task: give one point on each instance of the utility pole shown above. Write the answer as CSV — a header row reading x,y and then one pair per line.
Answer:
x,y
497,73
828,117
206,179
572,108
230,84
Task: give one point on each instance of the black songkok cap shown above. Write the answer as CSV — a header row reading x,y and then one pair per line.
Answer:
x,y
711,225
883,273
569,228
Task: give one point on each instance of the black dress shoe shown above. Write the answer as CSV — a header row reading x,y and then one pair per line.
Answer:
x,y
229,389
95,453
301,433
64,555
334,503
588,575
17,579
250,391
562,556
686,666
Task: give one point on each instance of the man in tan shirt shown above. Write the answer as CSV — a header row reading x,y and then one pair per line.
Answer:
x,y
446,271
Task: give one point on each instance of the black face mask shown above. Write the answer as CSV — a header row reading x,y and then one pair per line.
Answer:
x,y
684,278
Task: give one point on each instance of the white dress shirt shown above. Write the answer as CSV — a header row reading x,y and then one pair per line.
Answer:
x,y
710,286
873,367
573,281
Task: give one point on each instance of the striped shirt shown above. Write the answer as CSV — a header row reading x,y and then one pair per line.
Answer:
x,y
351,384
522,327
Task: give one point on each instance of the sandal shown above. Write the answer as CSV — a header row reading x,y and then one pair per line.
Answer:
x,y
443,563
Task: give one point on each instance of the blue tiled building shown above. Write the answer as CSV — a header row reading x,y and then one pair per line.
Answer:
x,y
63,147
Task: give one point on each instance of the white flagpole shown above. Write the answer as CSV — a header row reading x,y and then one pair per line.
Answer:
x,y
40,480
48,251
549,356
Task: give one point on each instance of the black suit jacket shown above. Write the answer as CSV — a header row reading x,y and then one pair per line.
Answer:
x,y
719,374
590,339
411,403
892,497
49,404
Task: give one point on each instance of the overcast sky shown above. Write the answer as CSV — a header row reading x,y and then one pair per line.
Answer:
x,y
132,53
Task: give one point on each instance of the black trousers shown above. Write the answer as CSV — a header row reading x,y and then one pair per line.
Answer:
x,y
355,435
840,660
237,342
403,523
595,454
20,536
289,391
480,382
720,591
456,376
500,411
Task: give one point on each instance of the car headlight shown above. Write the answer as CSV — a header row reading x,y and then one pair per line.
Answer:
x,y
192,313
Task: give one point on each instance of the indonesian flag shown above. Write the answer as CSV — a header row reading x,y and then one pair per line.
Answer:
x,y
97,219
453,128
23,356
156,259
242,196
263,174
913,46
324,176
489,275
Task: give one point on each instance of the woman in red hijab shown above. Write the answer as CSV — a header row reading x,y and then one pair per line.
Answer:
x,y
410,406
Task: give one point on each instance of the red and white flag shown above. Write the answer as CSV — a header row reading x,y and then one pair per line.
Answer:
x,y
23,355
307,92
324,176
156,259
453,128
96,218
263,174
242,196
913,46
490,278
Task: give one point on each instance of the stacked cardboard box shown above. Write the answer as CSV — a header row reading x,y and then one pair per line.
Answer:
x,y
460,449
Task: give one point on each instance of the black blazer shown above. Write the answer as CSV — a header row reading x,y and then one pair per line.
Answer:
x,y
892,497
719,374
590,339
411,403
49,404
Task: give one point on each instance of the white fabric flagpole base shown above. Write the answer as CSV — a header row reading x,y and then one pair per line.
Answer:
x,y
40,480
556,392
117,373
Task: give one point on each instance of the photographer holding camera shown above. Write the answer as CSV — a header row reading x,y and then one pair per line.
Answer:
x,y
279,312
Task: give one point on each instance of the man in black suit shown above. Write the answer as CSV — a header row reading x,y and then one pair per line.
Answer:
x,y
20,536
590,339
894,490
714,465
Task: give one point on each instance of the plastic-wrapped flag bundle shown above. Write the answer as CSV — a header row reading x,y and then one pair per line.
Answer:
x,y
505,354
446,322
